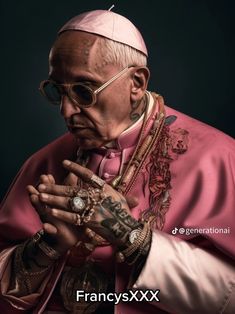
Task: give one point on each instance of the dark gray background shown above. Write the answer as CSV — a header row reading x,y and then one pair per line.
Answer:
x,y
191,51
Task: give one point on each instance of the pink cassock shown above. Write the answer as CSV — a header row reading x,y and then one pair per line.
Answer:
x,y
194,272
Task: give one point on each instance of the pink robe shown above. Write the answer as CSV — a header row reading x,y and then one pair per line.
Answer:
x,y
195,272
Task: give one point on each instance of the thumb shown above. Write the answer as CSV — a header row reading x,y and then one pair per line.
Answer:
x,y
49,228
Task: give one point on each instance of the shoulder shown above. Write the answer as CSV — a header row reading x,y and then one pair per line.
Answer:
x,y
200,135
208,153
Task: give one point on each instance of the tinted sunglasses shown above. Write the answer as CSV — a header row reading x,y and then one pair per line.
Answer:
x,y
79,93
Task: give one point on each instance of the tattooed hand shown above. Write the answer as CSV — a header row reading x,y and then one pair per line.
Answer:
x,y
64,235
111,219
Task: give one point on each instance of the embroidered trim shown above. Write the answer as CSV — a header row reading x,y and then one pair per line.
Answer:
x,y
171,144
179,141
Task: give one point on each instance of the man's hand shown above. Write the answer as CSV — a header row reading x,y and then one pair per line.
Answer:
x,y
111,219
64,234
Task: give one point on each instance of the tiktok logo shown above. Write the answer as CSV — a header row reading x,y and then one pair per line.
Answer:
x,y
174,231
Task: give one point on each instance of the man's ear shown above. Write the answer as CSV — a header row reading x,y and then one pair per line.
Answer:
x,y
139,85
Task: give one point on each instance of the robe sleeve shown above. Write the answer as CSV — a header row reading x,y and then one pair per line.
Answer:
x,y
19,221
201,282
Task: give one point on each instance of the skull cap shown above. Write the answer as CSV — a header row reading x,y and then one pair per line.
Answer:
x,y
110,25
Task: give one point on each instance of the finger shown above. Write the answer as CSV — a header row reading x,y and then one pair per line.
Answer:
x,y
59,190
51,178
44,179
38,206
35,201
49,228
64,216
32,190
71,179
82,172
55,201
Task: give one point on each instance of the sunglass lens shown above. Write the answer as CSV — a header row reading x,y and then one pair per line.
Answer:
x,y
52,92
82,94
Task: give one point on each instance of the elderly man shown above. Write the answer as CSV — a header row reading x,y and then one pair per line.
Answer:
x,y
137,196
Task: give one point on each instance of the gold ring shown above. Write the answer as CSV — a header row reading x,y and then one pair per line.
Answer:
x,y
97,180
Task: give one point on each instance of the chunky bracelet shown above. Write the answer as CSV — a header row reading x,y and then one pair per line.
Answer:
x,y
44,246
48,250
141,239
142,248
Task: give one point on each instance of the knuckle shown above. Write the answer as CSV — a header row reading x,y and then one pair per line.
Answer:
x,y
68,191
49,197
33,198
74,166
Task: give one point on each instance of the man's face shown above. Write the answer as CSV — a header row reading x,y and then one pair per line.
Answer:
x,y
76,57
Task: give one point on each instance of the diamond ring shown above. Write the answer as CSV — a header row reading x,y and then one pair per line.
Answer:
x,y
77,204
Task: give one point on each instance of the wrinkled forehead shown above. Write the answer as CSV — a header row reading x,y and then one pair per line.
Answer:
x,y
75,44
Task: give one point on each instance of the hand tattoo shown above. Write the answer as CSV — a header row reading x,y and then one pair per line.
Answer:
x,y
118,222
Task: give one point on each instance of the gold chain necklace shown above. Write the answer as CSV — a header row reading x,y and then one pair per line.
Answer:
x,y
142,151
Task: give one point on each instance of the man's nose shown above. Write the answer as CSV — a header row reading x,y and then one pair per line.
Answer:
x,y
67,107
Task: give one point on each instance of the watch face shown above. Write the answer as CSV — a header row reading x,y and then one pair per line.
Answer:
x,y
134,235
